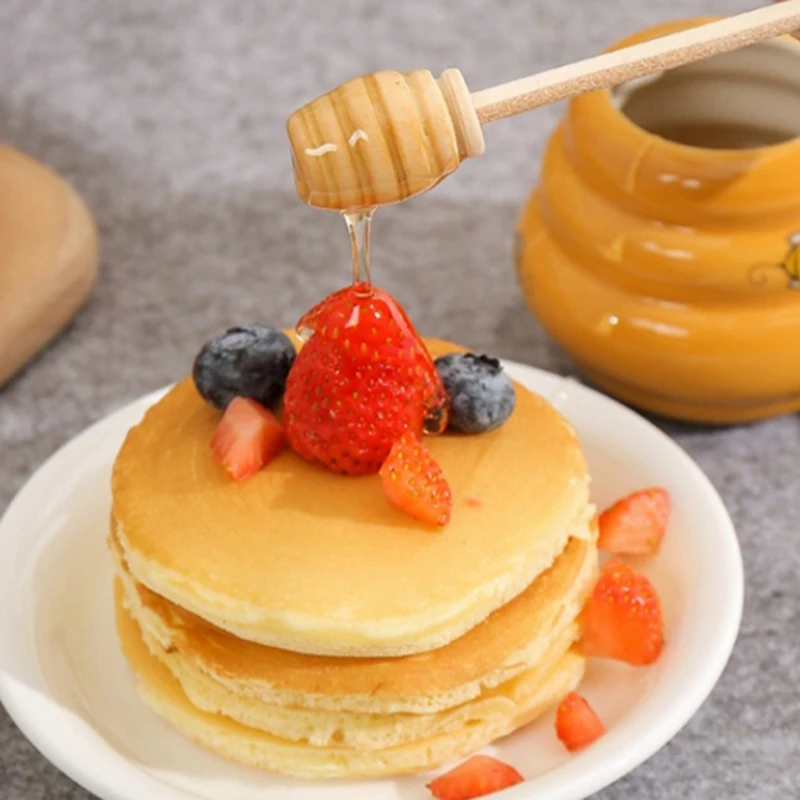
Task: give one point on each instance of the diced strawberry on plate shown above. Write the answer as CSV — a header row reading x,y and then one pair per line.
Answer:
x,y
248,437
576,723
635,524
476,777
622,618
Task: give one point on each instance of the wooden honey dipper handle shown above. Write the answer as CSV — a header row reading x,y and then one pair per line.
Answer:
x,y
618,66
382,138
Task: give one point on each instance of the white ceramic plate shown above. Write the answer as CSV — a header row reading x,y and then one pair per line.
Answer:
x,y
66,685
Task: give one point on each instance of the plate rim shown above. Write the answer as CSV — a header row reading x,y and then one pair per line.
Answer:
x,y
587,782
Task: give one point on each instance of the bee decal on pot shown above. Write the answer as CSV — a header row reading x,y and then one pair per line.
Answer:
x,y
790,266
791,263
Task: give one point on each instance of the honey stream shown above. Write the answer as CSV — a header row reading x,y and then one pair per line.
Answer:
x,y
358,224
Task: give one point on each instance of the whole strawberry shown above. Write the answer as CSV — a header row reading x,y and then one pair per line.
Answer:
x,y
362,381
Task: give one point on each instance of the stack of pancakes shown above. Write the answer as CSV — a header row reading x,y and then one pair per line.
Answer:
x,y
298,623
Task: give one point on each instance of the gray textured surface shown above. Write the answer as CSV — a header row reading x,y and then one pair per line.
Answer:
x,y
168,117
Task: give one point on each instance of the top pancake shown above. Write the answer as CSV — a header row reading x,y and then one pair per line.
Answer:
x,y
302,559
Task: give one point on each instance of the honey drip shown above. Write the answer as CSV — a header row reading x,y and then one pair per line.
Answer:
x,y
358,226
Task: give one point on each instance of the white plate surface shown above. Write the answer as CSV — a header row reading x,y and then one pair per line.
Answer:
x,y
66,685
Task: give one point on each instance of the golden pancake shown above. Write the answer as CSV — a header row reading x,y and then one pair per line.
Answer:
x,y
509,641
349,729
527,696
300,558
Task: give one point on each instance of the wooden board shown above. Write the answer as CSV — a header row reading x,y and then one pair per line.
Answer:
x,y
48,257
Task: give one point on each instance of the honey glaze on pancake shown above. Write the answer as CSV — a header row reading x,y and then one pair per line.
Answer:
x,y
508,642
263,750
304,559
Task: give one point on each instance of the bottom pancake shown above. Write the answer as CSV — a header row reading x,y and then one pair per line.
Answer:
x,y
357,730
519,701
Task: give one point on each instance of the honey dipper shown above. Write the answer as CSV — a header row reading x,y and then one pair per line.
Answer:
x,y
385,137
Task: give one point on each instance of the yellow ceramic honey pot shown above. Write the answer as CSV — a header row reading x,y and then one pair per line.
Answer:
x,y
662,248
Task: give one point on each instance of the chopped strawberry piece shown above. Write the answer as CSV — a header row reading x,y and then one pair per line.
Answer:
x,y
415,483
576,723
476,777
248,437
636,524
622,618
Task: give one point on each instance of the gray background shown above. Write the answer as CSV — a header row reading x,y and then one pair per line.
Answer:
x,y
169,118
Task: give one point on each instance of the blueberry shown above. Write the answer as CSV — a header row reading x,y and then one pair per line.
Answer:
x,y
481,394
250,362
